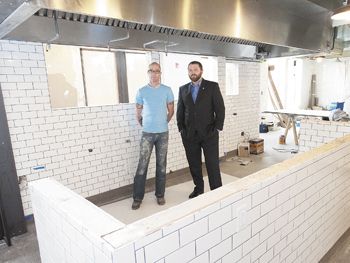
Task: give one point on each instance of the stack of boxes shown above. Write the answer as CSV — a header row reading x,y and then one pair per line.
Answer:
x,y
256,146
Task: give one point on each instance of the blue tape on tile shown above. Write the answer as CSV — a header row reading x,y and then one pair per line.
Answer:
x,y
38,168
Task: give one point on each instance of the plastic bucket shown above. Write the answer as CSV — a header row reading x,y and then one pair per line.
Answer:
x,y
340,105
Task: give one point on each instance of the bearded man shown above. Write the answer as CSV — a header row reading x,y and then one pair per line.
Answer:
x,y
200,117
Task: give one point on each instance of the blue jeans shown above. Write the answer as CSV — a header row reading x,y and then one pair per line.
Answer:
x,y
148,140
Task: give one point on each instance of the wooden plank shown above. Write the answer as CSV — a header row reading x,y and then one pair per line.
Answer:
x,y
274,89
283,119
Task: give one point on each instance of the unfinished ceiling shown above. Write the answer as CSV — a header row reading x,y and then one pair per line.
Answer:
x,y
241,29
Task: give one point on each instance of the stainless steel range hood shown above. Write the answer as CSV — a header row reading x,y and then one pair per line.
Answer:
x,y
241,29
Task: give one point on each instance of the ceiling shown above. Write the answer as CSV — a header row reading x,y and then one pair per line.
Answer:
x,y
240,29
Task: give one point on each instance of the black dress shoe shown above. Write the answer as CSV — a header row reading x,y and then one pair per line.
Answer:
x,y
161,200
136,204
195,193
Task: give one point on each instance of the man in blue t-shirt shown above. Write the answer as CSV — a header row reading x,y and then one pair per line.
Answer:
x,y
154,109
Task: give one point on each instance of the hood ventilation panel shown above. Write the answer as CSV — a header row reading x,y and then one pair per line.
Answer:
x,y
246,29
143,27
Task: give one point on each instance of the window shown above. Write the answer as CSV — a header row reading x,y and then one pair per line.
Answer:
x,y
80,76
232,75
100,77
174,68
136,70
65,77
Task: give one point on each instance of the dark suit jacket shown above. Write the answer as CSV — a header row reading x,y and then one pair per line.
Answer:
x,y
206,116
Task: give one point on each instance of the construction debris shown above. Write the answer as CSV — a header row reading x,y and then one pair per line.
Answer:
x,y
243,162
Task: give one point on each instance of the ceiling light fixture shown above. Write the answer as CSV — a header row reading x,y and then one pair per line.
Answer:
x,y
342,13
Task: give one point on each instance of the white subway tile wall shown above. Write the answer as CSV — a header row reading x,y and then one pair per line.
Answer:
x,y
315,132
70,228
58,141
309,211
291,230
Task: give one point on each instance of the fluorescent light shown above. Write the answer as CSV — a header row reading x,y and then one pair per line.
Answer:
x,y
342,13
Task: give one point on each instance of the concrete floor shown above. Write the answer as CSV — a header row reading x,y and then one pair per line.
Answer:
x,y
25,248
340,252
174,195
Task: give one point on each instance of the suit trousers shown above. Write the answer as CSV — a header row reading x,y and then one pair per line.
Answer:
x,y
210,145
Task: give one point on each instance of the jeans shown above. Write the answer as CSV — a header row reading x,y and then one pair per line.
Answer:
x,y
148,140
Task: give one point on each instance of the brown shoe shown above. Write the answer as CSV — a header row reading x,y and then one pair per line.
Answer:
x,y
136,204
160,200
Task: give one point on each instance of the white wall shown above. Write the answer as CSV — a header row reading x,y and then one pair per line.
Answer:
x,y
315,132
294,82
59,140
265,101
246,105
293,211
333,82
292,78
70,228
306,71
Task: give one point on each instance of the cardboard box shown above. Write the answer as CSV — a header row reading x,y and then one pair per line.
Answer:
x,y
243,149
256,146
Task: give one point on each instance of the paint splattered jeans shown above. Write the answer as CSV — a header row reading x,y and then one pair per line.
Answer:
x,y
160,142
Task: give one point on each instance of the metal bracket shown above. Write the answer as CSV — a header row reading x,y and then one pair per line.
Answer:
x,y
166,44
120,38
56,30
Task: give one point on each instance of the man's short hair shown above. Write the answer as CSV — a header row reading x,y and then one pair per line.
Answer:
x,y
196,63
154,64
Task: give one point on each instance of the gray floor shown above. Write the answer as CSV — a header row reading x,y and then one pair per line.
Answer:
x,y
340,252
174,195
25,248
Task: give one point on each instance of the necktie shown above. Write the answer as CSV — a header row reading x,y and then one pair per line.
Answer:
x,y
194,92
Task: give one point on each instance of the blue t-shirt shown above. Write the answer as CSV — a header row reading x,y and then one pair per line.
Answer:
x,y
155,111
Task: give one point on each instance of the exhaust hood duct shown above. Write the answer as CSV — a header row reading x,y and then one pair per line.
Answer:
x,y
230,24
96,35
18,16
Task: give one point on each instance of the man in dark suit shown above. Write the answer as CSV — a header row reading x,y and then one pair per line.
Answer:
x,y
200,115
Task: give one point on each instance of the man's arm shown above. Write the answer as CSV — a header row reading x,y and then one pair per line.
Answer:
x,y
170,107
180,112
219,108
139,108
